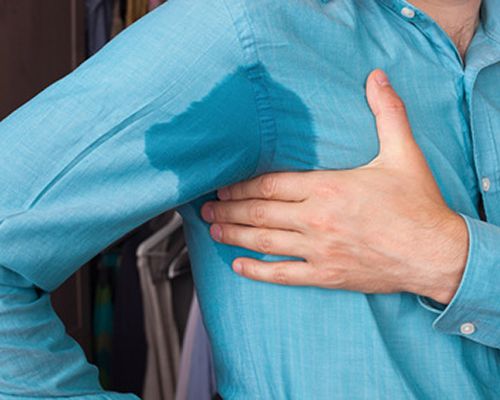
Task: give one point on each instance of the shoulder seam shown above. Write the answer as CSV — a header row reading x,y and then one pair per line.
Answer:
x,y
267,125
256,75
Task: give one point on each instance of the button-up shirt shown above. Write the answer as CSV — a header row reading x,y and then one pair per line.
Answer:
x,y
201,94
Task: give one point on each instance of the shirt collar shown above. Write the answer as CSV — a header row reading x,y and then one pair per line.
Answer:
x,y
490,14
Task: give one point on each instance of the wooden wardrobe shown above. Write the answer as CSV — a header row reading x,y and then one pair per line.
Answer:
x,y
40,42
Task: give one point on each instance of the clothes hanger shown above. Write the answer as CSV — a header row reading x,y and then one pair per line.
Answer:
x,y
179,265
145,248
160,246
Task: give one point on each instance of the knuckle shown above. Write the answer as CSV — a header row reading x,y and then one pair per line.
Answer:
x,y
219,212
226,234
252,271
395,105
328,191
248,270
239,191
267,186
321,219
331,277
264,243
257,213
232,190
329,249
318,222
279,276
235,191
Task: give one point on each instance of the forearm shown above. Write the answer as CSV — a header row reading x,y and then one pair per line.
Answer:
x,y
129,134
38,359
474,310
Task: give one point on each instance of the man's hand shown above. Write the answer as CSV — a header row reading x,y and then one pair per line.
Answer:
x,y
380,228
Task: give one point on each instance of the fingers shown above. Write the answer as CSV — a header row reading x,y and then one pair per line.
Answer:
x,y
285,186
393,127
267,241
258,213
281,272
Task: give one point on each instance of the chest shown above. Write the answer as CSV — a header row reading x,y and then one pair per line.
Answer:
x,y
323,120
317,60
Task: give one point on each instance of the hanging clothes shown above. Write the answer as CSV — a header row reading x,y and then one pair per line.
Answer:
x,y
163,356
123,9
103,315
135,10
196,371
179,273
119,16
154,3
128,357
99,21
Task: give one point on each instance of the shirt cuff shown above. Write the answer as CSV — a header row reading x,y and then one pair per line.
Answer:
x,y
474,310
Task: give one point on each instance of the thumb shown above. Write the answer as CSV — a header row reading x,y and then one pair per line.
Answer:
x,y
394,131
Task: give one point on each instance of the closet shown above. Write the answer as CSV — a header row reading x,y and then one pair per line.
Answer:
x,y
132,306
40,42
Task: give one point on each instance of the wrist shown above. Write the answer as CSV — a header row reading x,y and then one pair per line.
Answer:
x,y
449,256
455,244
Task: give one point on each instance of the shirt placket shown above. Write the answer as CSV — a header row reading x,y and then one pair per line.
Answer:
x,y
484,53
461,74
476,115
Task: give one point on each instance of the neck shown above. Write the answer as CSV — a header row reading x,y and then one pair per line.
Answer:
x,y
458,18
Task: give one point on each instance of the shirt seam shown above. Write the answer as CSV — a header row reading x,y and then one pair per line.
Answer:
x,y
139,113
493,141
492,37
267,131
256,75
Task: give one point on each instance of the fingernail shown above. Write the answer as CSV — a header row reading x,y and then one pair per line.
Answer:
x,y
216,232
237,267
207,212
381,78
223,193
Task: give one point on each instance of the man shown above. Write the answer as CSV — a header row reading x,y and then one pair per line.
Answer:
x,y
380,228
226,91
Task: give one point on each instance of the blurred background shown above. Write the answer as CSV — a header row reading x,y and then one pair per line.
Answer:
x,y
41,41
103,305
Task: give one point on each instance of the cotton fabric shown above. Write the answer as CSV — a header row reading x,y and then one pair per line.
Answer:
x,y
198,95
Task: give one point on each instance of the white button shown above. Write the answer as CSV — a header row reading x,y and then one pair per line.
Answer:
x,y
486,184
407,12
467,328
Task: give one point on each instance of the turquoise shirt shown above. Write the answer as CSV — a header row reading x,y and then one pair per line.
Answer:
x,y
200,94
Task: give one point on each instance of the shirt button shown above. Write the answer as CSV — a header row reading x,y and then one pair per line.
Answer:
x,y
407,12
467,328
486,184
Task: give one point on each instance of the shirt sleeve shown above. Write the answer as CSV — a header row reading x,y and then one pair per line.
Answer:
x,y
164,113
474,310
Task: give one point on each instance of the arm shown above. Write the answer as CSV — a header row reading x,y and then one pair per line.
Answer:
x,y
358,230
129,134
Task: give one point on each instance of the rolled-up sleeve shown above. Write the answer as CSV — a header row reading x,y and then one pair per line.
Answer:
x,y
474,310
164,113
